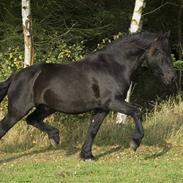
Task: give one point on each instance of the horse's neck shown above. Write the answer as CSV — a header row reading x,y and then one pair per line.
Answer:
x,y
131,62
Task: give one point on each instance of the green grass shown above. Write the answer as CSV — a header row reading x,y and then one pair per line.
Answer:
x,y
27,157
115,164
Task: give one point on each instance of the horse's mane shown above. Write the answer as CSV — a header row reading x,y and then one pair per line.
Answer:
x,y
127,44
142,39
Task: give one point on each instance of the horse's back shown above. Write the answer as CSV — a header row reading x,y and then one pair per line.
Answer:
x,y
72,88
63,87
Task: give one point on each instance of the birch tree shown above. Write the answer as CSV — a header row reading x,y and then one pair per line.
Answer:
x,y
27,31
135,26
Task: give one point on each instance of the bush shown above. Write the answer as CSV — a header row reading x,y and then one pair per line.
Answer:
x,y
11,62
62,52
12,59
178,64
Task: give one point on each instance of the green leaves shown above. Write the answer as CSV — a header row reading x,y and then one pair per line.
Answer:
x,y
178,64
12,60
62,52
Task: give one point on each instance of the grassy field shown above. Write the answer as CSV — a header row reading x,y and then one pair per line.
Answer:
x,y
115,164
27,157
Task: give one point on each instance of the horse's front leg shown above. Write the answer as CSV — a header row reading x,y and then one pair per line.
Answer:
x,y
96,121
128,109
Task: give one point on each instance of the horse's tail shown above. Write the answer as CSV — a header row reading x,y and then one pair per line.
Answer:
x,y
4,87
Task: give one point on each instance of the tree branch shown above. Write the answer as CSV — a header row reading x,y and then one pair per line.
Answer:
x,y
158,8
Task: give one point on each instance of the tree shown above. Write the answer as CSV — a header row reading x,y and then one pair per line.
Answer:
x,y
27,31
135,26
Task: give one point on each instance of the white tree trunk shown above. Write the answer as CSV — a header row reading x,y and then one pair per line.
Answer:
x,y
137,14
134,27
27,31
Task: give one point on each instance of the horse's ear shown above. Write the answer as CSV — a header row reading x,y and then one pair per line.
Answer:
x,y
158,37
144,64
166,34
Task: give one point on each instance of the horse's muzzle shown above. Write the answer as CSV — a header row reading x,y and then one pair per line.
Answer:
x,y
169,78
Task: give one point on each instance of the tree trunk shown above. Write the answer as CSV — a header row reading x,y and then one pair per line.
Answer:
x,y
27,31
135,26
136,23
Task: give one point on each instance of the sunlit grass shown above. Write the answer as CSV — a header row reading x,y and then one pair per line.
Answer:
x,y
115,165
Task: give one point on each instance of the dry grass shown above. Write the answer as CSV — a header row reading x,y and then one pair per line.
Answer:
x,y
163,126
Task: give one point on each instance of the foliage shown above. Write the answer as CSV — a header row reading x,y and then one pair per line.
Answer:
x,y
107,41
62,52
12,61
178,64
66,30
73,21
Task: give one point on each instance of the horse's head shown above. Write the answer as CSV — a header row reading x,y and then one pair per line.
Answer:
x,y
159,59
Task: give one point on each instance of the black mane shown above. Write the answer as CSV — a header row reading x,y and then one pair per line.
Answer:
x,y
141,39
126,45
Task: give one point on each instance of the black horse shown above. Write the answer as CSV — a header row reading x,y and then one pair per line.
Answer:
x,y
97,83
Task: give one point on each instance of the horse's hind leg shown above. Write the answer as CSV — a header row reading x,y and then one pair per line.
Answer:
x,y
36,119
12,117
95,124
6,123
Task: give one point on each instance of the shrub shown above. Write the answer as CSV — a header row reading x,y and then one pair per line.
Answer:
x,y
11,61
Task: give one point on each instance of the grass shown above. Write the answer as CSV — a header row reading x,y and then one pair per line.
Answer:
x,y
27,157
115,164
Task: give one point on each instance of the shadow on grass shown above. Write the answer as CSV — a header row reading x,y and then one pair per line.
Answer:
x,y
15,157
68,152
108,152
155,155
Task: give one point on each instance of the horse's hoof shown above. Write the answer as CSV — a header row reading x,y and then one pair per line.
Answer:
x,y
87,157
55,141
90,159
134,144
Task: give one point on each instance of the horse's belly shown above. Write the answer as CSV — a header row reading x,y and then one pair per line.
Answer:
x,y
69,102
